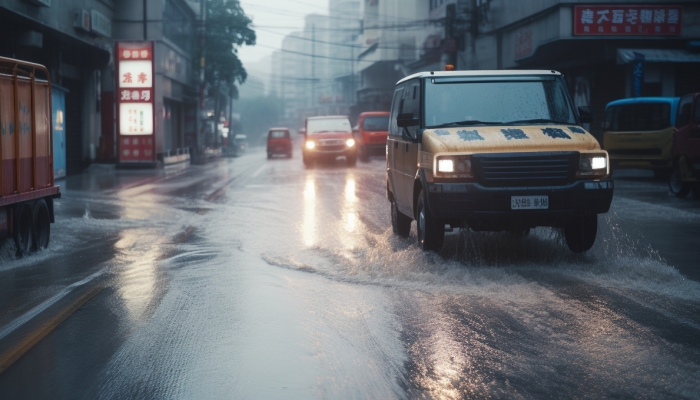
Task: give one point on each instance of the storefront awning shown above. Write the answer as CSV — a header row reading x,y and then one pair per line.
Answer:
x,y
626,56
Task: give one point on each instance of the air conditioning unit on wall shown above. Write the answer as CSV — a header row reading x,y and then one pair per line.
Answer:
x,y
82,20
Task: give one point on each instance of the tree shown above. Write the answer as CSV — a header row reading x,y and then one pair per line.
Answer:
x,y
227,27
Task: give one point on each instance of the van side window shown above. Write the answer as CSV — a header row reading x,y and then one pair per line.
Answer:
x,y
411,104
393,128
684,108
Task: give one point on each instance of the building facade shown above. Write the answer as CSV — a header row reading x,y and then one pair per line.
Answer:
x,y
75,40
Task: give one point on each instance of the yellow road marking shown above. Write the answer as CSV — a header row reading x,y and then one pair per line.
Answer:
x,y
18,350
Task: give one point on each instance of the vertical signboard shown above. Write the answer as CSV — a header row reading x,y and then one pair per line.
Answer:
x,y
58,103
135,101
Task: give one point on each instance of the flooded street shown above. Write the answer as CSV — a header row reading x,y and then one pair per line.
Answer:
x,y
254,278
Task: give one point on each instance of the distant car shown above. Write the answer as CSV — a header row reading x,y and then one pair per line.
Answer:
x,y
328,138
279,142
686,147
371,133
639,132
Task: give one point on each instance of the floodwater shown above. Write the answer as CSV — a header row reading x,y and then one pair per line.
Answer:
x,y
254,278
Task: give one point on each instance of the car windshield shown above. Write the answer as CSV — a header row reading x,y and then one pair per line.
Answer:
x,y
278,134
497,103
314,126
378,123
638,117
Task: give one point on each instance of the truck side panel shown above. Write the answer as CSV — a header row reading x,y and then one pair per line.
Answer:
x,y
7,120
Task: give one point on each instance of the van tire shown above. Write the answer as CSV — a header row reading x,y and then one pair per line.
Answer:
x,y
400,223
431,230
22,230
676,185
351,161
580,232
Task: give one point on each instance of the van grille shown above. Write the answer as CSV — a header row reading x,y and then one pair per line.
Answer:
x,y
525,169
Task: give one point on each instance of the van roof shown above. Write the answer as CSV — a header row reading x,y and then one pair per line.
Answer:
x,y
278,129
639,100
499,72
329,117
673,101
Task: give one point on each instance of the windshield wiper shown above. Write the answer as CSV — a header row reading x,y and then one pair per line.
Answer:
x,y
538,121
466,123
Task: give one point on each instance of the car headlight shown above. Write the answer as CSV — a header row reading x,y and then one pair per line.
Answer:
x,y
593,165
454,167
350,142
310,145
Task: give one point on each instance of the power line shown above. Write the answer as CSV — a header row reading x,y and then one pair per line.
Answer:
x,y
413,24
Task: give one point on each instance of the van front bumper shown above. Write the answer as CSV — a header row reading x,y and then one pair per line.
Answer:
x,y
489,208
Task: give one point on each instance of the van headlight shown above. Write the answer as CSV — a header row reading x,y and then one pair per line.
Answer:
x,y
593,165
310,145
350,142
453,167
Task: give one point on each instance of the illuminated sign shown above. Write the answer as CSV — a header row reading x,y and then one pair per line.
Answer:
x,y
622,20
136,101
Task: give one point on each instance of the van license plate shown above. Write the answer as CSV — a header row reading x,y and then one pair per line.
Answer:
x,y
529,202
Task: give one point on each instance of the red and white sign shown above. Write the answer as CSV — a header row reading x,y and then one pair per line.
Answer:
x,y
135,99
634,20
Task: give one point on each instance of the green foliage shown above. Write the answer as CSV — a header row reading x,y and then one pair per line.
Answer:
x,y
227,28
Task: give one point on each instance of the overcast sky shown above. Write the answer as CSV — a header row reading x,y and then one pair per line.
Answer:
x,y
274,19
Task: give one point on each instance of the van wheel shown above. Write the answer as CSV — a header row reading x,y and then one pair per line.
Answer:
x,y
308,163
351,160
431,231
676,185
42,225
22,229
580,233
400,223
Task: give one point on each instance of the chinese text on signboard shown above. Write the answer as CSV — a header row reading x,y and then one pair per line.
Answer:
x,y
135,97
645,20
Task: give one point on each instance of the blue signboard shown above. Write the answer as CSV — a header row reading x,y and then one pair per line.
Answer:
x,y
638,74
58,120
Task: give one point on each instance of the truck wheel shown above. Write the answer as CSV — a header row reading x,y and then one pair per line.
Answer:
x,y
364,156
580,233
676,185
42,225
400,223
431,231
351,161
22,229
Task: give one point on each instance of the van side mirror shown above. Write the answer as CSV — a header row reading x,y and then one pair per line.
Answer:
x,y
407,120
584,115
302,131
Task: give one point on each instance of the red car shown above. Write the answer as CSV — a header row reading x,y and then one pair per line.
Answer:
x,y
686,147
327,138
279,142
371,133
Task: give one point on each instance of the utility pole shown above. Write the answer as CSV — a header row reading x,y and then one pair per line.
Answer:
x,y
313,67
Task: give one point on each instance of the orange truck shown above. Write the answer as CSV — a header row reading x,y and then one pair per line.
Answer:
x,y
27,189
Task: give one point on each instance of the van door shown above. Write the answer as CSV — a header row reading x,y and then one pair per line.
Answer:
x,y
394,157
694,140
409,145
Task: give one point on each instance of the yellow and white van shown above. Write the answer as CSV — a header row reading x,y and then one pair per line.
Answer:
x,y
493,151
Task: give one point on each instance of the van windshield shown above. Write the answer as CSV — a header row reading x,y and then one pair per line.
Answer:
x,y
639,117
379,123
278,134
497,103
314,126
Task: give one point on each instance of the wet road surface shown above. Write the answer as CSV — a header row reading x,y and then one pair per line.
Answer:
x,y
253,278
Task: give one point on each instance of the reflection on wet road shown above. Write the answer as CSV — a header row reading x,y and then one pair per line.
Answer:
x,y
254,278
